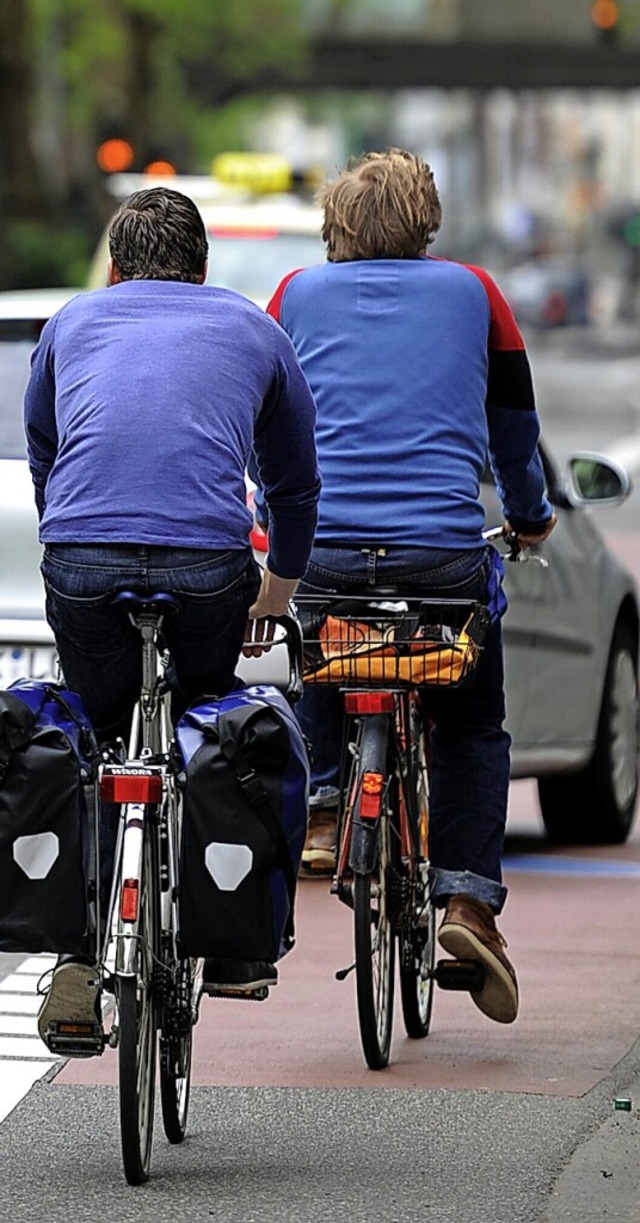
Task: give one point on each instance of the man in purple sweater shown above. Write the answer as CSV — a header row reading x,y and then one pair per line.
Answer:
x,y
145,402
420,375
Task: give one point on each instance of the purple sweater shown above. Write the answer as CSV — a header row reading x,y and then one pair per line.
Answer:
x,y
144,403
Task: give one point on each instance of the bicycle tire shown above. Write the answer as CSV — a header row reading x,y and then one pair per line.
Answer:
x,y
138,1033
417,959
175,1074
417,939
375,955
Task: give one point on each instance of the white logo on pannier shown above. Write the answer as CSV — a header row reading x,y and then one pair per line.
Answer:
x,y
228,865
36,855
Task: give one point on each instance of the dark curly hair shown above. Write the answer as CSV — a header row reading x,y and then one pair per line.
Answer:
x,y
158,234
382,206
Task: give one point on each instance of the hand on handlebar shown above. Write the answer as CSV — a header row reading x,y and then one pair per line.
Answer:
x,y
523,539
273,600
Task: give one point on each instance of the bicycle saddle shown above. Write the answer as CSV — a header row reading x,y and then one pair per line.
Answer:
x,y
161,602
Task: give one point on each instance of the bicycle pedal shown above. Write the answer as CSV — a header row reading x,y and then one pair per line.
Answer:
x,y
237,995
459,974
75,1039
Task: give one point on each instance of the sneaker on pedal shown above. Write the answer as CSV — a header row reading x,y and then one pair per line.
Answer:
x,y
70,1018
319,853
468,932
238,978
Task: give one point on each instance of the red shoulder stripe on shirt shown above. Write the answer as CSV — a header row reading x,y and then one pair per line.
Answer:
x,y
505,333
274,305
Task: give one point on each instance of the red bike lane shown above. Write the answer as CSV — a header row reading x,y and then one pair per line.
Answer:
x,y
570,922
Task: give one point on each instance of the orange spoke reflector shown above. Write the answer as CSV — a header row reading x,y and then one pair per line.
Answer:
x,y
371,797
369,702
131,788
129,900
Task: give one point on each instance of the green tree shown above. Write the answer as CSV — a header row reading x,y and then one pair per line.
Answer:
x,y
75,71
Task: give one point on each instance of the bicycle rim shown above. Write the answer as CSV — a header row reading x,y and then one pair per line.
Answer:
x,y
375,956
137,1041
175,1077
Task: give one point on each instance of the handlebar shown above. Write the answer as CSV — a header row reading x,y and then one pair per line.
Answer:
x,y
287,678
516,553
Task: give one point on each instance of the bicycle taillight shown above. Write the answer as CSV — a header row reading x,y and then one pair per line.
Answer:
x,y
368,702
136,786
371,795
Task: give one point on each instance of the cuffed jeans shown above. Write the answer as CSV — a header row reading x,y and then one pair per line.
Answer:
x,y
470,767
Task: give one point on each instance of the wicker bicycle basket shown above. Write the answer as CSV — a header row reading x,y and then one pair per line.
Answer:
x,y
395,642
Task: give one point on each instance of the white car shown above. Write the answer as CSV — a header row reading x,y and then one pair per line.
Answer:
x,y
26,643
571,632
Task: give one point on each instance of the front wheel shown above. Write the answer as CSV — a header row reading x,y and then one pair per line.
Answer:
x,y
417,957
375,955
176,1043
596,805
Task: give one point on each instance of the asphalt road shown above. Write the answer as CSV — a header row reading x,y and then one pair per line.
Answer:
x,y
479,1123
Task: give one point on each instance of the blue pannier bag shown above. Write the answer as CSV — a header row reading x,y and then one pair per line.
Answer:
x,y
246,788
47,757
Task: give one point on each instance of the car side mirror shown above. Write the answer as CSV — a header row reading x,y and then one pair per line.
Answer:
x,y
595,479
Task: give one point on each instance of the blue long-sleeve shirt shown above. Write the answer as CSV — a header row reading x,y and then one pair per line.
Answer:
x,y
144,402
419,373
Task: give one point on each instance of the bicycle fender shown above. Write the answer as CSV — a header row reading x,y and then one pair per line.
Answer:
x,y
363,851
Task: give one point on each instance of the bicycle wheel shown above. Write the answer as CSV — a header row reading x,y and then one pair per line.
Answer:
x,y
417,958
417,940
176,1040
375,954
137,1040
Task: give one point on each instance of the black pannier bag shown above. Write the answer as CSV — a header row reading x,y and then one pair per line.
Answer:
x,y
47,756
244,825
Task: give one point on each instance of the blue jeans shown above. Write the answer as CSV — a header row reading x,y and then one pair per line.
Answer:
x,y
100,650
469,745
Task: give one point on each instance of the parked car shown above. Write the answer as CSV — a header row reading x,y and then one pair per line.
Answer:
x,y
571,632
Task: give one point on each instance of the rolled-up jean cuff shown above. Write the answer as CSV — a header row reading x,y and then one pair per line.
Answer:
x,y
465,883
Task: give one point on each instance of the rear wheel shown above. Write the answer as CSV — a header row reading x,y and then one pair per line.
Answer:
x,y
596,805
375,954
137,1025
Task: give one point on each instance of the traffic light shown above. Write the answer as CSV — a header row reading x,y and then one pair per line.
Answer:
x,y
605,18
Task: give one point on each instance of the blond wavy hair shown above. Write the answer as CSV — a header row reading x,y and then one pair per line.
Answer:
x,y
382,206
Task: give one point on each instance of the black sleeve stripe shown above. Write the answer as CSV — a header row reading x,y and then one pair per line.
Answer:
x,y
509,382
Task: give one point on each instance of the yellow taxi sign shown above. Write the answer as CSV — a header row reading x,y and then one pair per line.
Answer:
x,y
259,172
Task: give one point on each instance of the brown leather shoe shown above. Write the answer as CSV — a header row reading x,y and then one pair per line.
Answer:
x,y
468,932
319,853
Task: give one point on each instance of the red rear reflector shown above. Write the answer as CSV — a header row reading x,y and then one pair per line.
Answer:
x,y
129,900
368,702
131,788
371,796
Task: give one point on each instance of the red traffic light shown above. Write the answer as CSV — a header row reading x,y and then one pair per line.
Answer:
x,y
605,14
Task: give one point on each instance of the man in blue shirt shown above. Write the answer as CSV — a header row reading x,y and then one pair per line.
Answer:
x,y
419,373
145,401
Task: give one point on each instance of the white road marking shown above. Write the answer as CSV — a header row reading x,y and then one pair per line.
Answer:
x,y
24,1058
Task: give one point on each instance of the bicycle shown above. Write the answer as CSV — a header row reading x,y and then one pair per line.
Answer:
x,y
156,991
156,988
379,649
